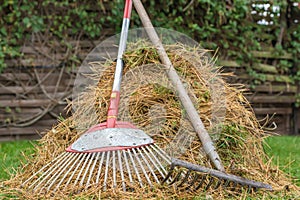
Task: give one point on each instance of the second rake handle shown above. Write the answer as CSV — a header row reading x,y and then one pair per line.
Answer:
x,y
187,103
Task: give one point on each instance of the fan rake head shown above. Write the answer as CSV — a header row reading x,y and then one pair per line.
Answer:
x,y
124,157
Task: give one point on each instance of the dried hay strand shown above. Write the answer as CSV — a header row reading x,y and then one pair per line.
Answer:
x,y
149,101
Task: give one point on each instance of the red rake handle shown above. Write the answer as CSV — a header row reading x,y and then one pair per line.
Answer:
x,y
115,94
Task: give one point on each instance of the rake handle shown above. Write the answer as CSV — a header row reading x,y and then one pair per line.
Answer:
x,y
183,95
115,94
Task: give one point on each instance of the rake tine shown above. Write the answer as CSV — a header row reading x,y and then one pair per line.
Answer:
x,y
127,167
106,171
177,178
100,167
211,180
87,156
226,183
249,188
55,177
201,182
196,177
121,171
78,164
154,163
56,174
161,153
70,168
46,174
148,165
142,167
135,169
33,175
218,183
92,170
169,174
234,186
185,178
61,157
114,169
87,168
164,171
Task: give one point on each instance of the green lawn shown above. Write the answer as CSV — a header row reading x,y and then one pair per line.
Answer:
x,y
11,156
284,149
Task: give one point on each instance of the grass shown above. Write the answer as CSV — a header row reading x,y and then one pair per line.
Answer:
x,y
285,151
11,156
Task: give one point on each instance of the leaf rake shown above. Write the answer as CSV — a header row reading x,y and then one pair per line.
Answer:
x,y
116,154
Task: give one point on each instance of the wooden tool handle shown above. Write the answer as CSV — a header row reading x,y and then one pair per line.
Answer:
x,y
183,95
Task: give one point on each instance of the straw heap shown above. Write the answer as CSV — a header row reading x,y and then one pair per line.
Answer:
x,y
149,101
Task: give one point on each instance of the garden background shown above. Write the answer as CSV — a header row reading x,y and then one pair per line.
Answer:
x,y
42,43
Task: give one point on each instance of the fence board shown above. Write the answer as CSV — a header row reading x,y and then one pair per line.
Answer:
x,y
281,111
271,99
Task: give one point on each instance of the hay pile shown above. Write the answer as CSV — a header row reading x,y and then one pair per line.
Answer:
x,y
149,101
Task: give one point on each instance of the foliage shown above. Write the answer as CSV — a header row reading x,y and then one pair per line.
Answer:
x,y
230,26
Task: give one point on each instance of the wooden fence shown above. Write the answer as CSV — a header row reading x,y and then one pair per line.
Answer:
x,y
273,97
32,100
33,97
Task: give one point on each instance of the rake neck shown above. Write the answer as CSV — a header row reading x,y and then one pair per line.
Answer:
x,y
115,94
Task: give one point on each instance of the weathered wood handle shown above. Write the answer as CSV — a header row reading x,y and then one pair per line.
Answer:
x,y
183,95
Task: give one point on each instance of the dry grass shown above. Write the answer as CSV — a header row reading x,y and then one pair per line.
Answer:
x,y
149,101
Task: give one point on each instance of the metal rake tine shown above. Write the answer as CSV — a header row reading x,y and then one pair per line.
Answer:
x,y
158,166
196,177
33,175
92,170
218,183
169,174
226,183
161,153
142,167
48,172
69,170
148,165
158,162
100,168
55,177
185,178
211,180
61,157
177,177
75,170
203,177
121,171
135,169
114,169
87,169
234,186
106,170
127,166
56,174
87,157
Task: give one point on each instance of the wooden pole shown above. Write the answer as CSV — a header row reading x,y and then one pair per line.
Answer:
x,y
203,135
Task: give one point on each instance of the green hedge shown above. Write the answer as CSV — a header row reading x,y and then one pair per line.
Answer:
x,y
227,25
